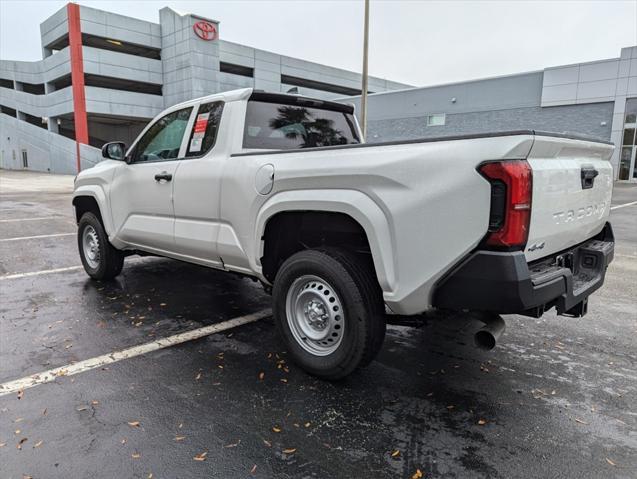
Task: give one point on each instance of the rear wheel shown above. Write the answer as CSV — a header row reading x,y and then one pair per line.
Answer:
x,y
328,309
100,259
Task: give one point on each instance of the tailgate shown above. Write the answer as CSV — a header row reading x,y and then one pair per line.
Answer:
x,y
566,208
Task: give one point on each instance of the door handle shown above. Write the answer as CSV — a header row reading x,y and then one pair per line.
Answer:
x,y
164,175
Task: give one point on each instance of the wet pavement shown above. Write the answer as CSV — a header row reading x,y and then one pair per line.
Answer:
x,y
556,398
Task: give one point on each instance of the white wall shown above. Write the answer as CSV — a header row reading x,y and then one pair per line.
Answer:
x,y
46,151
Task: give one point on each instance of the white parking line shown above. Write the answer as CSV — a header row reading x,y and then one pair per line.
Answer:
x,y
37,237
38,273
42,218
624,205
99,361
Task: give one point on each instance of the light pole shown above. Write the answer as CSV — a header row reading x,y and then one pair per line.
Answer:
x,y
364,86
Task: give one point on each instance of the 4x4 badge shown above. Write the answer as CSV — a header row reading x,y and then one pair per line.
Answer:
x,y
536,246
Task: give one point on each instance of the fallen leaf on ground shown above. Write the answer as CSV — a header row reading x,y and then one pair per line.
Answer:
x,y
482,422
450,407
291,450
276,429
180,438
17,431
134,424
254,469
124,441
136,455
200,457
580,421
267,443
38,444
198,377
610,462
417,474
261,376
82,408
396,453
24,439
233,445
20,394
2,444
95,403
307,424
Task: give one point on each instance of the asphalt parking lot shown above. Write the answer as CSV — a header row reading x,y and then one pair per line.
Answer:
x,y
556,398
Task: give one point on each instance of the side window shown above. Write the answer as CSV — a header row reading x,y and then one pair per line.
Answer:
x,y
163,140
204,131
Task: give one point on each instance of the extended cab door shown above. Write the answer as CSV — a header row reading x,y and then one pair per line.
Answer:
x,y
196,189
141,195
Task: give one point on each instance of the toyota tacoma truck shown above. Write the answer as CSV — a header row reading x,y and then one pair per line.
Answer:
x,y
342,233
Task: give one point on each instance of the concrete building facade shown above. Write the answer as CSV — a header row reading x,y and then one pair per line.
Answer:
x,y
596,99
103,76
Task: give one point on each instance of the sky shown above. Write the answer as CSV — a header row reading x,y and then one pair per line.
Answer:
x,y
416,42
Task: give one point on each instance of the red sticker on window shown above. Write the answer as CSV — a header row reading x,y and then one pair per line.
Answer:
x,y
200,125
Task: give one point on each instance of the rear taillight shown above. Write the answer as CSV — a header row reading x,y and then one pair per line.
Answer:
x,y
510,215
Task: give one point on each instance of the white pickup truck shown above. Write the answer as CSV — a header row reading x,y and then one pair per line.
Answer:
x,y
281,188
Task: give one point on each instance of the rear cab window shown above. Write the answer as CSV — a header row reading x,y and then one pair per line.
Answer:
x,y
204,130
280,122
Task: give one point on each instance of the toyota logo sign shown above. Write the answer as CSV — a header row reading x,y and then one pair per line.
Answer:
x,y
205,30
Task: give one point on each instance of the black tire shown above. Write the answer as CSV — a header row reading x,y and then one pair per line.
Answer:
x,y
354,281
110,261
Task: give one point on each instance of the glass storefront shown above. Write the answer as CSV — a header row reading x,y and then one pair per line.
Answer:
x,y
627,167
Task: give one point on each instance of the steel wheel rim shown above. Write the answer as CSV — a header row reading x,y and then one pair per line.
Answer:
x,y
91,247
315,315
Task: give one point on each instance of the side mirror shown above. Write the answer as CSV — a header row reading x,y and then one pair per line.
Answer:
x,y
115,150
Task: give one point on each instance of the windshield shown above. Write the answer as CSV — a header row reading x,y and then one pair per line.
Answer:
x,y
283,127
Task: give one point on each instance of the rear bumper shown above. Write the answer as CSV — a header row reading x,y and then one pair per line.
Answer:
x,y
503,282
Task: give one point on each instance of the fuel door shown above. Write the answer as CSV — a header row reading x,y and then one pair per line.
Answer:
x,y
264,179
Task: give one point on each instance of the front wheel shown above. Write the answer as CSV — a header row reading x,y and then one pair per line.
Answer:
x,y
328,309
100,259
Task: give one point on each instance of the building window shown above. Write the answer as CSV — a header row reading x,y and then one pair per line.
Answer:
x,y
113,83
25,160
5,83
34,120
115,45
32,88
437,119
8,111
236,69
628,153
